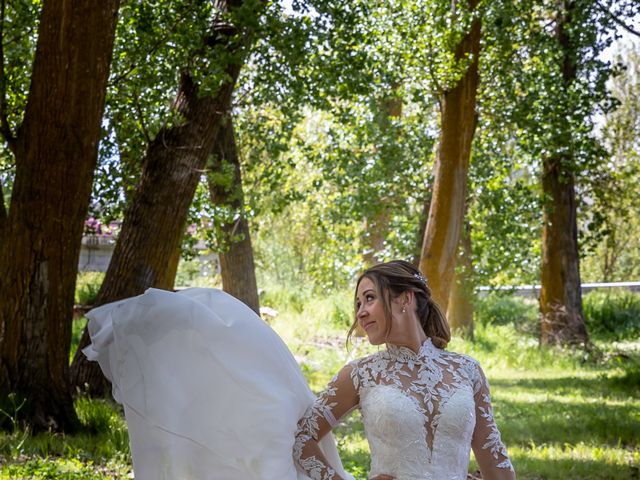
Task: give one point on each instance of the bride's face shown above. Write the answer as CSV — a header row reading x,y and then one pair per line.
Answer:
x,y
370,312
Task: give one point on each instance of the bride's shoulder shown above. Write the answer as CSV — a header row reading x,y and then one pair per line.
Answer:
x,y
464,362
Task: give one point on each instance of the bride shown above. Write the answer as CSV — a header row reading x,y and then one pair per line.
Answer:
x,y
211,392
423,408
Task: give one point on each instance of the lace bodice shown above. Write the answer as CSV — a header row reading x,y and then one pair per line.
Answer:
x,y
422,413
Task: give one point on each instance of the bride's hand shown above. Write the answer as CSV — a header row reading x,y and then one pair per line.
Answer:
x,y
383,477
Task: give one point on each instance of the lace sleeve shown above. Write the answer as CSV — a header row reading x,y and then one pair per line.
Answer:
x,y
339,398
488,448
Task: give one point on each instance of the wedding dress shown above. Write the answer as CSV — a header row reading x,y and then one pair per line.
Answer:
x,y
422,412
209,390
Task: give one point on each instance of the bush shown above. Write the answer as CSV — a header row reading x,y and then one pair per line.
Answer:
x,y
283,298
87,287
503,309
612,315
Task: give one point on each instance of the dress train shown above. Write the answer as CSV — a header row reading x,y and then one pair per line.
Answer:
x,y
209,390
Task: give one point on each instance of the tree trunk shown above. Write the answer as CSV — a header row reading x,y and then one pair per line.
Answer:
x,y
236,258
458,121
154,223
460,309
56,150
561,318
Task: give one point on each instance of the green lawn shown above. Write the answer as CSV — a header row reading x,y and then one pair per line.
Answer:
x,y
563,414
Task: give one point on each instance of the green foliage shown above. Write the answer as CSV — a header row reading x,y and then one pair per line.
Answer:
x,y
99,451
18,36
197,272
56,468
499,308
542,80
9,411
87,287
610,228
155,41
612,315
280,297
77,328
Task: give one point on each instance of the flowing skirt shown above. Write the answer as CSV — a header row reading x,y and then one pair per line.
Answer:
x,y
209,390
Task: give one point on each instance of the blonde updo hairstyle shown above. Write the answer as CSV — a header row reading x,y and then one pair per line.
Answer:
x,y
393,278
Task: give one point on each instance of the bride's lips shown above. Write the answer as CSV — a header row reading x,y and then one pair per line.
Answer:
x,y
366,325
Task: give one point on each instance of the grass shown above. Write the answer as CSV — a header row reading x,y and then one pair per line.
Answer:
x,y
99,451
563,413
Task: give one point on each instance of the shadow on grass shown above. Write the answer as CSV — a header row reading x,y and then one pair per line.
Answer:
x,y
528,468
568,410
604,386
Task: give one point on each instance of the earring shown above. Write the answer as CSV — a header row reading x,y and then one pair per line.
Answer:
x,y
404,310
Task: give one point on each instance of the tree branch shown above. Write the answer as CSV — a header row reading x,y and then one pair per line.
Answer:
x,y
616,19
5,128
143,125
152,49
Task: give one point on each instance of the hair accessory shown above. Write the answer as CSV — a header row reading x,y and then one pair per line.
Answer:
x,y
421,277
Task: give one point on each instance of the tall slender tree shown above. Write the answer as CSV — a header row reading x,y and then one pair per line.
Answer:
x,y
562,320
55,151
457,128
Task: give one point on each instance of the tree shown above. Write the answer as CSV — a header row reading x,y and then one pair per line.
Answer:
x,y
234,239
460,307
457,127
562,320
154,222
55,150
610,229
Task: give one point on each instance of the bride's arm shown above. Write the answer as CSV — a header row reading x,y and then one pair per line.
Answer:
x,y
334,402
487,445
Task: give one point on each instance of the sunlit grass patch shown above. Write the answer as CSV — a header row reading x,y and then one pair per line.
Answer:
x,y
63,468
582,460
100,450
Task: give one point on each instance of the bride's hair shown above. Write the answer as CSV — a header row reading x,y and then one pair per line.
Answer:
x,y
393,278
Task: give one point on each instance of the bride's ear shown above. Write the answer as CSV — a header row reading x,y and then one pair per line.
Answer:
x,y
407,298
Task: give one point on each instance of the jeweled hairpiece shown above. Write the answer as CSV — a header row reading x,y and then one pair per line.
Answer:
x,y
421,277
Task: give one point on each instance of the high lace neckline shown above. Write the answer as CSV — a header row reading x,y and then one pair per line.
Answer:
x,y
404,354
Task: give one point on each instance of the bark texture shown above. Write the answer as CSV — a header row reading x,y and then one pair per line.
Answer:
x,y
446,212
561,317
55,150
422,227
460,309
236,258
153,226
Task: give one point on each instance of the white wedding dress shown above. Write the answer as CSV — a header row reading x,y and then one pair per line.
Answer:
x,y
209,390
422,413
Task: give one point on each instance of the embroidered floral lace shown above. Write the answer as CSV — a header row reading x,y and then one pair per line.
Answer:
x,y
422,414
